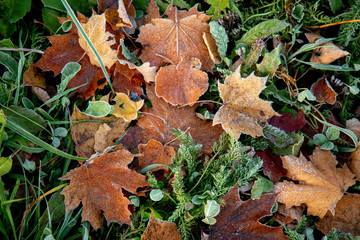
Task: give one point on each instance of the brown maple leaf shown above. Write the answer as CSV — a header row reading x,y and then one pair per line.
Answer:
x,y
85,132
160,230
243,109
157,121
152,12
321,184
99,186
33,78
181,84
176,38
347,216
323,91
155,153
126,80
240,220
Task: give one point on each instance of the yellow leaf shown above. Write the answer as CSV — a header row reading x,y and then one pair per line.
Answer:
x,y
125,107
95,29
243,109
321,185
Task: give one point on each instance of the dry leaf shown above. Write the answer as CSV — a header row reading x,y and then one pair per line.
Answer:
x,y
145,69
288,122
83,133
101,137
95,30
33,78
176,38
152,12
181,84
327,53
323,91
347,216
354,163
99,186
321,184
272,165
157,121
125,107
160,230
127,80
354,125
242,108
155,153
240,220
41,94
212,47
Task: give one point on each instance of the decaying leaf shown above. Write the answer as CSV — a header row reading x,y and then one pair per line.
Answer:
x,y
327,53
83,132
99,186
321,184
155,153
175,38
181,84
157,121
160,230
240,220
347,216
145,69
354,163
125,107
243,109
272,165
288,122
41,94
101,137
95,29
33,78
126,80
354,125
323,91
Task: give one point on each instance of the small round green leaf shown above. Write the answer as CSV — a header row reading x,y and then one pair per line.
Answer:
x,y
55,142
5,165
135,200
98,109
196,200
320,139
327,146
27,103
332,133
60,132
156,195
66,26
211,208
209,220
29,165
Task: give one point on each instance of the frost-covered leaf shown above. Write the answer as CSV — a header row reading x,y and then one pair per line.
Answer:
x,y
220,36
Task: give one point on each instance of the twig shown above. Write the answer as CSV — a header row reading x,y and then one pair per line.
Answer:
x,y
333,24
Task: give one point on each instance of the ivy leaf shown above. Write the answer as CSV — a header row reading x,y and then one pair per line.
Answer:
x,y
220,36
263,30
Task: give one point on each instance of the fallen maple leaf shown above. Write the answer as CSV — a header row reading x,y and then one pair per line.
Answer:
x,y
272,165
99,186
242,108
288,122
181,84
347,216
95,30
125,107
160,230
354,163
239,220
321,184
176,38
86,130
155,153
157,121
323,91
65,48
33,78
327,53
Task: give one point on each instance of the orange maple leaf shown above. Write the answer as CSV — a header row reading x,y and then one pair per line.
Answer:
x,y
155,153
185,84
178,37
321,184
99,186
160,230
